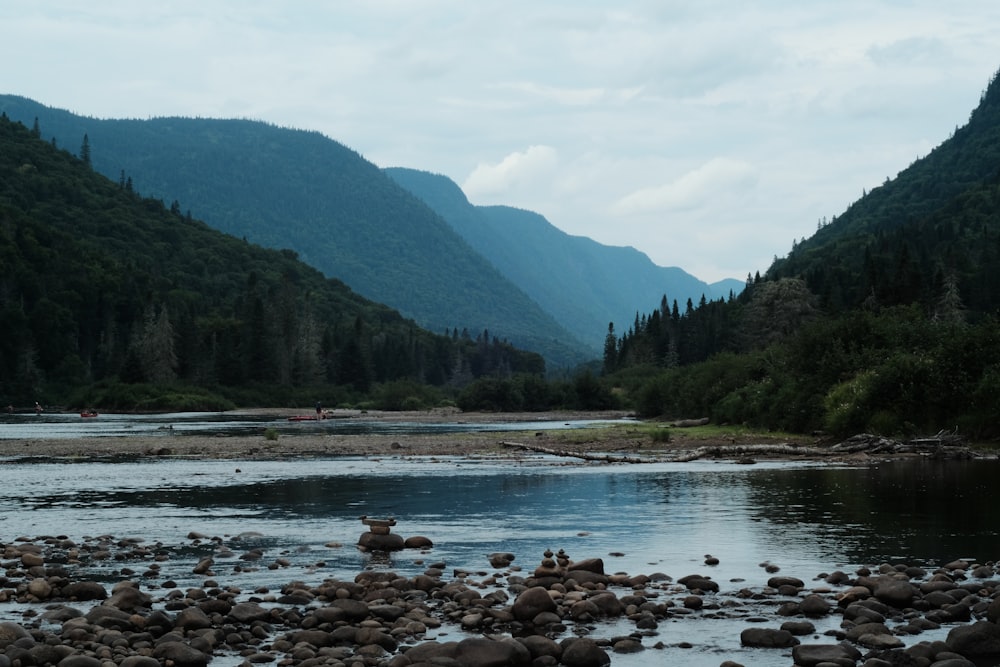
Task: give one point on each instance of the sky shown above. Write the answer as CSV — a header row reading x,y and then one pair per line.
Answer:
x,y
708,134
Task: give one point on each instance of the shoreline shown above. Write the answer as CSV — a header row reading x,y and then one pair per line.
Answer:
x,y
621,438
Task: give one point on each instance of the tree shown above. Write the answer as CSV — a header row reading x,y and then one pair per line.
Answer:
x,y
610,350
85,150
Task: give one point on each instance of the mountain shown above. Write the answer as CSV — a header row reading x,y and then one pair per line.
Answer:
x,y
584,284
100,284
285,188
931,229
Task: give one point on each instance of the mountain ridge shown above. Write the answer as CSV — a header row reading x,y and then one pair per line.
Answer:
x,y
300,190
585,284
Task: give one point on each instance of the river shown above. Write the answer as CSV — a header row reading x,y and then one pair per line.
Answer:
x,y
803,518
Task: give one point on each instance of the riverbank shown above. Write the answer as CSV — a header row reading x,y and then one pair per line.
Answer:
x,y
620,437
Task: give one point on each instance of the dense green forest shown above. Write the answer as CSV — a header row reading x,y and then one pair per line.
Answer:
x,y
886,320
114,299
286,188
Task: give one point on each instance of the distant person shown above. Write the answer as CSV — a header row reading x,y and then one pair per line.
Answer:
x,y
38,408
319,410
10,409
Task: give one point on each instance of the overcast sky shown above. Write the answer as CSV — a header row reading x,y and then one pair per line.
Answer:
x,y
707,134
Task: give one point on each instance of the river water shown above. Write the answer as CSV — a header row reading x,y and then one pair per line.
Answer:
x,y
806,519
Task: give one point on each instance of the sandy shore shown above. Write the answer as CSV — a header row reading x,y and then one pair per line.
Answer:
x,y
628,438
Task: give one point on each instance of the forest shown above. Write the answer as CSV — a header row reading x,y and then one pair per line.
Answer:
x,y
885,321
111,299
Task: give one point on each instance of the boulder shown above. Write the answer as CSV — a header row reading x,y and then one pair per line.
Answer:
x,y
814,606
809,655
980,639
767,638
532,602
583,652
483,652
381,542
84,590
896,592
180,655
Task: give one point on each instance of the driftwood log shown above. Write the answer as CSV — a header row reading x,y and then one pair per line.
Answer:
x,y
721,451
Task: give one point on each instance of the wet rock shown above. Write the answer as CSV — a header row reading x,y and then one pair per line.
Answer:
x,y
628,645
532,602
431,652
896,592
501,559
247,612
809,655
84,590
778,582
767,638
698,582
541,646
799,628
11,632
979,639
584,652
378,542
418,542
180,654
484,652
126,596
814,606
110,617
79,660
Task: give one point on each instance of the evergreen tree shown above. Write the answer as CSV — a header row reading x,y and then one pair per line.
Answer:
x,y
85,150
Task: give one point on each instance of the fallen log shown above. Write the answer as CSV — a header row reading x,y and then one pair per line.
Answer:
x,y
688,423
722,451
601,458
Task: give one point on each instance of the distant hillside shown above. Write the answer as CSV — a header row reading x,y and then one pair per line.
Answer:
x,y
934,227
100,284
285,188
584,284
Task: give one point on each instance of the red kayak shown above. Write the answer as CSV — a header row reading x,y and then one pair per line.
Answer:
x,y
87,415
304,418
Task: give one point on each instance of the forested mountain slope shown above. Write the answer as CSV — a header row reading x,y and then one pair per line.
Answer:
x,y
937,223
101,284
584,284
286,188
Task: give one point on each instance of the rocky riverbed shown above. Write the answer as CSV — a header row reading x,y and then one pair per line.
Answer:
x,y
553,610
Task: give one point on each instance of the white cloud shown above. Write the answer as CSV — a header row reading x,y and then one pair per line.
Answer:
x,y
718,177
516,169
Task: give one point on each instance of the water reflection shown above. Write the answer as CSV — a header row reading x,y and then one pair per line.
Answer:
x,y
913,510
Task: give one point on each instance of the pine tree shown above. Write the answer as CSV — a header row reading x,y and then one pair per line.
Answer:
x,y
85,150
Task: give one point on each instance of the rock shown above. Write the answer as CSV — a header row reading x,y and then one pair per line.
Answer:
x,y
39,589
139,661
180,654
80,660
814,606
628,645
541,646
84,590
778,582
993,611
767,638
895,592
583,652
698,582
979,639
126,596
809,655
799,628
484,652
431,653
417,542
501,560
381,542
110,617
11,632
248,612
595,565
532,602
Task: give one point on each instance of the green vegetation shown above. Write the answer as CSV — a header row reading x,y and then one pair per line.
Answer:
x,y
885,321
113,300
284,188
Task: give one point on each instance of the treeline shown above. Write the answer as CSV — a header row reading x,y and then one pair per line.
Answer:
x,y
110,298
